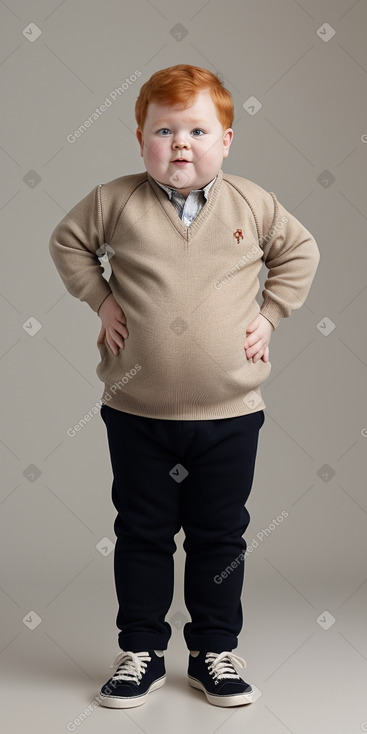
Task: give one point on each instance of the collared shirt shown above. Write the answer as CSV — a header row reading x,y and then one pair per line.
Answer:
x,y
187,208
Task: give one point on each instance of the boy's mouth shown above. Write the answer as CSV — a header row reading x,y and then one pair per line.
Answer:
x,y
180,160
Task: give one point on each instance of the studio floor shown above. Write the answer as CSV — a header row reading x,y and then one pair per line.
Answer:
x,y
308,671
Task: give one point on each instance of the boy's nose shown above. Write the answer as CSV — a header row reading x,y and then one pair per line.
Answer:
x,y
180,142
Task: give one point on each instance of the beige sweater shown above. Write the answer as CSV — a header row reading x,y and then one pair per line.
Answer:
x,y
188,292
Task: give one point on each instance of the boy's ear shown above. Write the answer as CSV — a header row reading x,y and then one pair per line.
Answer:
x,y
227,140
139,136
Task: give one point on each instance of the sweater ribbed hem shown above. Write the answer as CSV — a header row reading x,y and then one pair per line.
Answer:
x,y
231,409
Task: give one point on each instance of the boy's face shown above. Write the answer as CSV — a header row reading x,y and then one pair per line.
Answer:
x,y
193,134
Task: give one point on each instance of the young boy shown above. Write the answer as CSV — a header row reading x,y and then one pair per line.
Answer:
x,y
184,348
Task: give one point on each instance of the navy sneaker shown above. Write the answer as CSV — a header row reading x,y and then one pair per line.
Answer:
x,y
137,674
214,674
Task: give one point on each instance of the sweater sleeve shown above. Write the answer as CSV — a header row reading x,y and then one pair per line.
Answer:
x,y
73,246
292,257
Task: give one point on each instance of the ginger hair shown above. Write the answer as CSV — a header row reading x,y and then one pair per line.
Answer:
x,y
180,84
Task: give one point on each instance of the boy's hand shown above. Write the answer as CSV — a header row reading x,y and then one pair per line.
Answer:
x,y
256,344
114,328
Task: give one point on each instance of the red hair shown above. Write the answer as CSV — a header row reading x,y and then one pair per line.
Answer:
x,y
180,84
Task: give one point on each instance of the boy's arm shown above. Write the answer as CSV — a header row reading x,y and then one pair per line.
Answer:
x,y
292,257
73,245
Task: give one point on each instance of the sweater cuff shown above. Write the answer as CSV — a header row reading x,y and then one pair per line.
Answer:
x,y
272,312
97,295
108,294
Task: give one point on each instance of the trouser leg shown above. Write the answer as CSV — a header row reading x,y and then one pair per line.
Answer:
x,y
147,501
221,460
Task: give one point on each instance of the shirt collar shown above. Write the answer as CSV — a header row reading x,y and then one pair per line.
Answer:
x,y
169,189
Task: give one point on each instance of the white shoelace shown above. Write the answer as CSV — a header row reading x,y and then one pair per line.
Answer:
x,y
221,665
130,666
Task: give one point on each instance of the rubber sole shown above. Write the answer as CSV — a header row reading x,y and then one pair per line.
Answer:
x,y
118,702
238,699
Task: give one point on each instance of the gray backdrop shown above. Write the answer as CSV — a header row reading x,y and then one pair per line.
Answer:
x,y
304,136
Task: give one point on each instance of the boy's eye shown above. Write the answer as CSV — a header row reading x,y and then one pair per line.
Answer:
x,y
165,130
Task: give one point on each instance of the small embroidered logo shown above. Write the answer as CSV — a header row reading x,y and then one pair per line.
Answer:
x,y
238,235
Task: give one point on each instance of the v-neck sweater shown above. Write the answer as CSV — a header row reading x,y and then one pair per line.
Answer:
x,y
188,292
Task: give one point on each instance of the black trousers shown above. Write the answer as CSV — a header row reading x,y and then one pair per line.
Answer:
x,y
169,474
